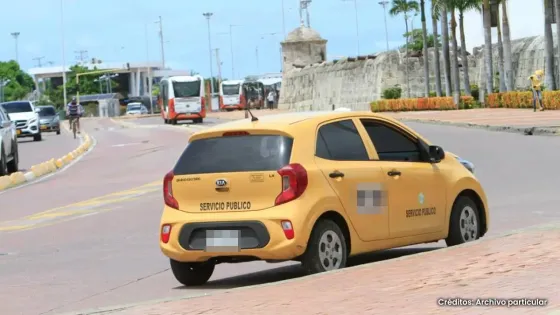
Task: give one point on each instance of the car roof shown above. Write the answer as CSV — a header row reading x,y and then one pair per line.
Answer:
x,y
288,120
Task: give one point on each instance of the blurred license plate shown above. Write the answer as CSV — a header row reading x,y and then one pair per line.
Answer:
x,y
18,132
222,240
43,127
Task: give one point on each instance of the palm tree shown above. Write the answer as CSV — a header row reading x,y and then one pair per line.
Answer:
x,y
437,69
405,7
501,56
550,82
445,48
464,6
487,21
508,62
452,6
425,48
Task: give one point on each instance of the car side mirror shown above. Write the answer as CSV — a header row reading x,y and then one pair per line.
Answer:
x,y
436,153
5,124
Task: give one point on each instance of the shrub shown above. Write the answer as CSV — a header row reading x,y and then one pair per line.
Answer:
x,y
418,104
392,93
522,99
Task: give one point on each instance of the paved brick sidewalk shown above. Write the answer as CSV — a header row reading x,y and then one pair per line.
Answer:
x,y
522,265
487,116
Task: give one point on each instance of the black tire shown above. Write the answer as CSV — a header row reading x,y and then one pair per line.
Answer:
x,y
3,163
312,260
38,137
13,165
58,132
192,274
174,121
460,231
165,121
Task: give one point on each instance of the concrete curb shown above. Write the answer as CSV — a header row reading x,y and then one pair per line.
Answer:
x,y
111,309
536,131
181,128
48,167
137,116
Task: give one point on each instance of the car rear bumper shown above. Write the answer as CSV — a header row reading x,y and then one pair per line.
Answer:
x,y
188,116
260,235
50,127
232,106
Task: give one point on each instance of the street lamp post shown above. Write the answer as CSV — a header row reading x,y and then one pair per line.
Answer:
x,y
63,53
231,48
150,79
16,35
160,22
384,5
208,15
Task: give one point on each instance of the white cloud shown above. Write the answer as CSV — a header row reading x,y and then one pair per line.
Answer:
x,y
524,19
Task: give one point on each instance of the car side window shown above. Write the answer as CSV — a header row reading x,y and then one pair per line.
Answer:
x,y
340,141
391,143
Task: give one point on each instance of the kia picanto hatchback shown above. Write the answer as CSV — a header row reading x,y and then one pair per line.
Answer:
x,y
313,187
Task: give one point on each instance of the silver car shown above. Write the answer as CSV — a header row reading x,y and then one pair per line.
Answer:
x,y
136,108
49,119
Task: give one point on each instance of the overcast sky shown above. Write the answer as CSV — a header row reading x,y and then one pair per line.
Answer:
x,y
115,30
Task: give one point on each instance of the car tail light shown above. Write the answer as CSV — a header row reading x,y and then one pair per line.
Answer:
x,y
166,233
168,198
294,183
288,229
235,133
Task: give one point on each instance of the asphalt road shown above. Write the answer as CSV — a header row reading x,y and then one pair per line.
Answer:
x,y
52,146
159,121
103,251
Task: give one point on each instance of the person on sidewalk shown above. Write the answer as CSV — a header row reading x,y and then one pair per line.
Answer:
x,y
536,83
270,99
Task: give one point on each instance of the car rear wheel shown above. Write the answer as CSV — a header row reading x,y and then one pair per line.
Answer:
x,y
13,165
3,163
326,248
192,273
464,223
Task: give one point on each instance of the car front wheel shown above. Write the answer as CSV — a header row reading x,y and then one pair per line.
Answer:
x,y
326,248
464,223
3,164
192,273
13,165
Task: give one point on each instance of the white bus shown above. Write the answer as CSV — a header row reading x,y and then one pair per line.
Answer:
x,y
182,98
231,95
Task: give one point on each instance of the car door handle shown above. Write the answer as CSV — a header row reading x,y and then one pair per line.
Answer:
x,y
394,173
336,174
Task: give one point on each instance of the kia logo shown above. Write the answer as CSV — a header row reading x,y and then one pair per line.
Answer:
x,y
221,182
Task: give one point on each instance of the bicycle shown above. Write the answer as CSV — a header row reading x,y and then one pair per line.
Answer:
x,y
74,125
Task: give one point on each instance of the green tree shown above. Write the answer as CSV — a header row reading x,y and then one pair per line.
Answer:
x,y
407,8
20,83
416,43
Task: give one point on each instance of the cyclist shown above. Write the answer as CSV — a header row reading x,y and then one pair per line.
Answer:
x,y
74,110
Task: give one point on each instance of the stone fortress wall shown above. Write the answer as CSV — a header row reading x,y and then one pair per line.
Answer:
x,y
310,83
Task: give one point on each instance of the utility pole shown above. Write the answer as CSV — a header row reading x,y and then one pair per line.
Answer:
x,y
231,47
62,40
150,80
38,59
81,55
219,63
208,15
161,42
357,25
384,5
16,35
283,20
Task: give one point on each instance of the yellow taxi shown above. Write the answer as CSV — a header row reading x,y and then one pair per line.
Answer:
x,y
314,187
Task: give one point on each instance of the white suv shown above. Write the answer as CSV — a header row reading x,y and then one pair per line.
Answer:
x,y
9,158
26,118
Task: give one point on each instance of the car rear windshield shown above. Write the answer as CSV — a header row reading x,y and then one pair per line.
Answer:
x,y
47,111
254,153
17,107
230,89
186,89
136,107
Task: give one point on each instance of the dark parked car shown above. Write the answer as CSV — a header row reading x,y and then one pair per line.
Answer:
x,y
49,119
